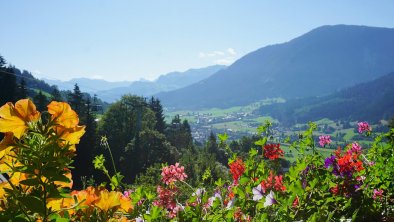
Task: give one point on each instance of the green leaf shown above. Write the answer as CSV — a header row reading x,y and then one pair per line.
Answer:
x,y
223,137
261,142
33,203
30,182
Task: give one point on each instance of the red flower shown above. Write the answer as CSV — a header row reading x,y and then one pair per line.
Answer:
x,y
237,168
295,202
274,182
273,151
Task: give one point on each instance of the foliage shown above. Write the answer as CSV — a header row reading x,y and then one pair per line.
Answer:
x,y
353,183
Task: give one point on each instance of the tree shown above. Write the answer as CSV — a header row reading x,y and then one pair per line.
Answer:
x,y
86,148
7,83
76,100
156,107
41,101
179,133
55,95
122,124
21,90
2,62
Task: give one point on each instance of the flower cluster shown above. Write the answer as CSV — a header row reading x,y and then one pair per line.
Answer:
x,y
364,127
324,140
273,151
166,199
237,168
85,201
173,173
273,182
344,164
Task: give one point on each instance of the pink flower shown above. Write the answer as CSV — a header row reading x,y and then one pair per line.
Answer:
x,y
356,148
377,193
173,173
364,127
324,140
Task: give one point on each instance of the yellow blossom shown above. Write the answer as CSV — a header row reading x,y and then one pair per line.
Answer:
x,y
63,115
15,119
108,200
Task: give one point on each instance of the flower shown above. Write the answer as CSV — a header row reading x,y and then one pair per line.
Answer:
x,y
273,151
63,115
16,118
257,193
273,182
363,127
295,202
173,173
71,136
125,204
324,140
108,200
270,199
237,168
377,193
356,148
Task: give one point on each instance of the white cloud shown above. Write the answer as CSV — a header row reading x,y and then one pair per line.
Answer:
x,y
231,51
97,77
225,57
225,61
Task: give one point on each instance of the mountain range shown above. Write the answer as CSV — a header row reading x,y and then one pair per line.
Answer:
x,y
111,91
318,63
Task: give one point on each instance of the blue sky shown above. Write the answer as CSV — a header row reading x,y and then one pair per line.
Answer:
x,y
130,40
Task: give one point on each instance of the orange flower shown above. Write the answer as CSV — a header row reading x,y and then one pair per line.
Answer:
x,y
63,115
15,119
108,200
87,197
125,204
70,135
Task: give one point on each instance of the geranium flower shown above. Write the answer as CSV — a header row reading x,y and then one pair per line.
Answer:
x,y
356,148
273,182
173,173
270,199
363,127
237,168
273,151
108,200
16,118
63,115
377,193
324,140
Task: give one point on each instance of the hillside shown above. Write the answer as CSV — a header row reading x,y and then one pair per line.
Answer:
x,y
317,63
370,101
90,85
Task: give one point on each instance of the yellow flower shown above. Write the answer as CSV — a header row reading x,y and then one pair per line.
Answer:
x,y
63,115
108,200
5,148
70,135
15,119
125,204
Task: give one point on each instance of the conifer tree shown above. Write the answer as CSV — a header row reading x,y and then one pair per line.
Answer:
x,y
41,101
55,95
7,83
155,106
21,90
77,102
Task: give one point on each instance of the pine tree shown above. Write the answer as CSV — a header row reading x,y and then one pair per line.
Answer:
x,y
41,101
86,148
77,102
55,95
7,83
155,106
21,90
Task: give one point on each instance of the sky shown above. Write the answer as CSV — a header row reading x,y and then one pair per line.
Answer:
x,y
131,40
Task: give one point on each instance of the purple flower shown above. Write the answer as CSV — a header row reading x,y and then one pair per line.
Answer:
x,y
257,193
329,161
324,140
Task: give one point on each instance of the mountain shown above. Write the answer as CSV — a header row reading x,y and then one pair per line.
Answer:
x,y
88,85
372,101
166,82
317,63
